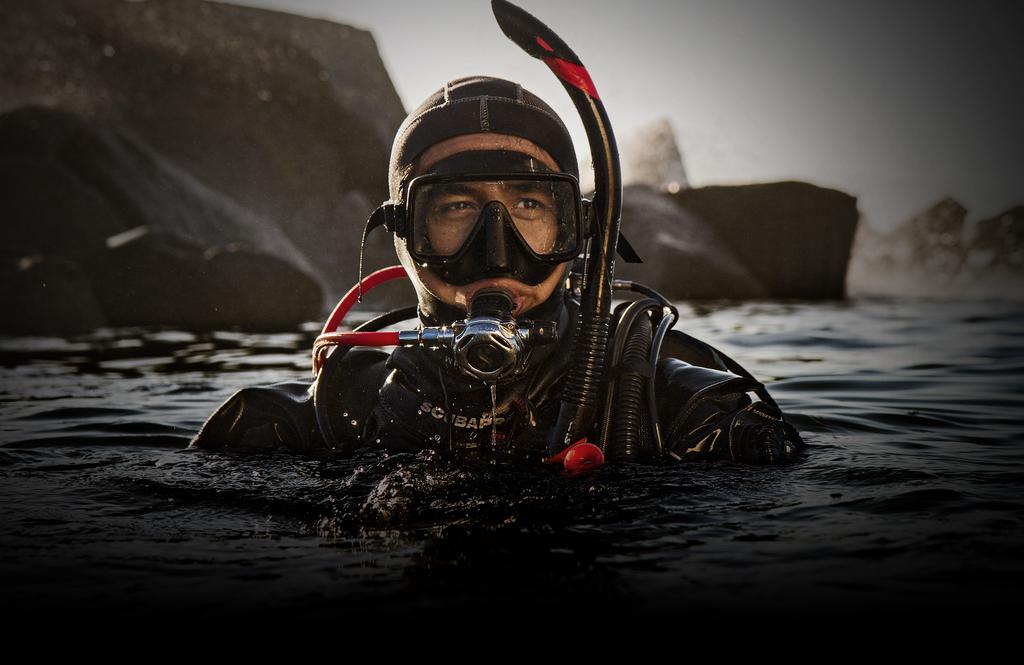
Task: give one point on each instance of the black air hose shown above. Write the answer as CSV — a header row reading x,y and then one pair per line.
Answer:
x,y
669,316
625,316
628,442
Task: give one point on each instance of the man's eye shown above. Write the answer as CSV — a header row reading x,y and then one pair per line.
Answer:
x,y
455,206
532,204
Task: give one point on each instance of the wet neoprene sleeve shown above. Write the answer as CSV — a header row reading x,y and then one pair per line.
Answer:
x,y
712,414
263,418
285,414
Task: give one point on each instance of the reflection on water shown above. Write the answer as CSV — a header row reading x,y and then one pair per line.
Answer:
x,y
910,495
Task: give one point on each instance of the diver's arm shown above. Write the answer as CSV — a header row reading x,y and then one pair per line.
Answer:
x,y
711,414
263,418
326,417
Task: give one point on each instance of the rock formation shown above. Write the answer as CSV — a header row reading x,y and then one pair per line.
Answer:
x,y
236,140
778,240
940,253
998,242
203,165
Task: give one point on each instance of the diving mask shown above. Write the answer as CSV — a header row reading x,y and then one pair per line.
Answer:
x,y
490,213
473,226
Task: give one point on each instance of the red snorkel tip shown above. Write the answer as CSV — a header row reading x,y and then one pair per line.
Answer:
x,y
578,458
575,75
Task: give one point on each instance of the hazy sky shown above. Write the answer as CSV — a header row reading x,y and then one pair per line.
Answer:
x,y
897,103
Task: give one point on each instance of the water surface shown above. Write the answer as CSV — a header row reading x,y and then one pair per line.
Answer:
x,y
908,498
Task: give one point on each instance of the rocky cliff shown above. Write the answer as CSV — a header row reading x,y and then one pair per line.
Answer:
x,y
184,162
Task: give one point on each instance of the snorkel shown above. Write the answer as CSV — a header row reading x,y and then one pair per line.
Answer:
x,y
579,402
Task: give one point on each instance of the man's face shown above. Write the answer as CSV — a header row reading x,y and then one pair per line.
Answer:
x,y
452,210
462,203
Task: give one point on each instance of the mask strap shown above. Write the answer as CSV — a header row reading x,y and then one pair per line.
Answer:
x,y
384,216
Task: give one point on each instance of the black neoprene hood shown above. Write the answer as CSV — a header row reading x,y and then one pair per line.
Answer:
x,y
472,105
475,104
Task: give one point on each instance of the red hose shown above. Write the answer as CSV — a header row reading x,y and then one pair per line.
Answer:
x,y
369,282
328,338
360,338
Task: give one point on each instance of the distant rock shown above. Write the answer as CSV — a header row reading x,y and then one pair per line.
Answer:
x,y
998,243
771,240
46,294
650,156
72,191
151,279
938,253
932,240
212,126
683,256
793,239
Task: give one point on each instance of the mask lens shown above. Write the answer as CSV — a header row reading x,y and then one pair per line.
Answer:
x,y
544,214
446,215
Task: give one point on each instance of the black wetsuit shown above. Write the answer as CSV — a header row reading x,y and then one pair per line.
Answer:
x,y
708,408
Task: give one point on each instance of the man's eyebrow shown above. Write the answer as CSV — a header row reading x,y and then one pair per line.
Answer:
x,y
470,190
455,188
527,186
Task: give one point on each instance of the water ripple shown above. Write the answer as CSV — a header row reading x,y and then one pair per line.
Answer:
x,y
908,496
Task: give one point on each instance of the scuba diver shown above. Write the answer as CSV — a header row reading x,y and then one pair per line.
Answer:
x,y
518,355
491,222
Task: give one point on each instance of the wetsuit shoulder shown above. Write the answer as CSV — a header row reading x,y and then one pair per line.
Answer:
x,y
296,415
263,418
709,407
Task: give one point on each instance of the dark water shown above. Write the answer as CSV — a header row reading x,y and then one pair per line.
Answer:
x,y
909,497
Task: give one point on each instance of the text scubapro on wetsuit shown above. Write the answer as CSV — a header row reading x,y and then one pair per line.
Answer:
x,y
486,418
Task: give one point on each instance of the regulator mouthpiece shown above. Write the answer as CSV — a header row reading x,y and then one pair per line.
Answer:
x,y
489,344
493,303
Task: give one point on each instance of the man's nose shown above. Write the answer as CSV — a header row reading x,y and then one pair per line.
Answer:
x,y
497,259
